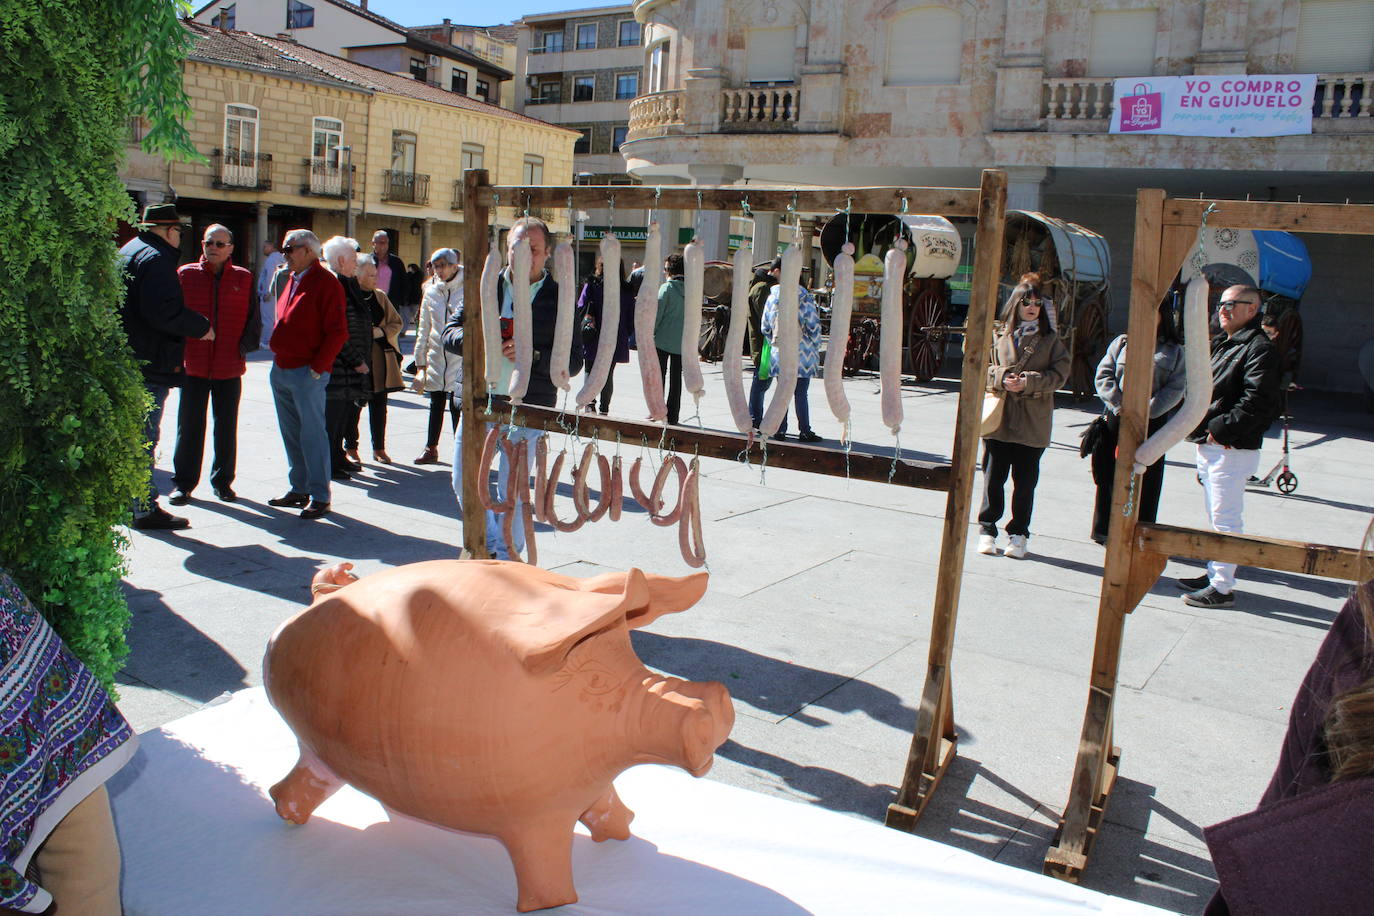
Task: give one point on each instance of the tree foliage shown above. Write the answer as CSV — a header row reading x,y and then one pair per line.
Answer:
x,y
72,400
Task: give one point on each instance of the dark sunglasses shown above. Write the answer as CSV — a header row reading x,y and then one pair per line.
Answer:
x,y
216,243
287,249
1229,305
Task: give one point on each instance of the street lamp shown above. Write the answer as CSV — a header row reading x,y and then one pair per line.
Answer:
x,y
347,166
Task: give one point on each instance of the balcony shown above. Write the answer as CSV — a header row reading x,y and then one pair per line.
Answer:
x,y
760,109
238,170
1342,103
324,178
405,187
655,114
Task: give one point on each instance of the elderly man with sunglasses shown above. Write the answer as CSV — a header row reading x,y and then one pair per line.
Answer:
x,y
1245,401
223,292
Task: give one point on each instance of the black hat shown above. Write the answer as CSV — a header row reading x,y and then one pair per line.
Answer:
x,y
162,215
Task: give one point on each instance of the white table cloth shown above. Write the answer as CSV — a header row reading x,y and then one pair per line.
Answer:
x,y
200,836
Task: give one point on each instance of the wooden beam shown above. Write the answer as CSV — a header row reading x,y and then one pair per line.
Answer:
x,y
1345,563
710,443
942,201
476,242
1345,219
935,718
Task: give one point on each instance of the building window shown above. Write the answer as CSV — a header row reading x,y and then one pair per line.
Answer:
x,y
626,85
418,69
1335,36
550,92
548,43
925,45
618,137
583,144
240,131
1123,43
771,55
403,152
228,16
484,90
299,15
327,138
460,82
586,36
584,87
629,33
658,67
471,157
534,170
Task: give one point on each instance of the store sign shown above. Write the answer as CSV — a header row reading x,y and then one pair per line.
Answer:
x,y
1225,105
592,233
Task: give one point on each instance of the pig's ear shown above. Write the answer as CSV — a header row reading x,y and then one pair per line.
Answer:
x,y
570,615
666,594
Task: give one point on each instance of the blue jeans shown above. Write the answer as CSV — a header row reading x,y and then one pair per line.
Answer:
x,y
152,431
496,544
300,415
760,387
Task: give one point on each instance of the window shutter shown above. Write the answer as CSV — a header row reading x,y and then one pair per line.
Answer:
x,y
1123,43
1336,36
771,55
925,46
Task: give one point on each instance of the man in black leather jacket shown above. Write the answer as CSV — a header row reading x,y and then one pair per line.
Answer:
x,y
1245,400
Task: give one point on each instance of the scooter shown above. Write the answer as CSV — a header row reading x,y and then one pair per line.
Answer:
x,y
1280,475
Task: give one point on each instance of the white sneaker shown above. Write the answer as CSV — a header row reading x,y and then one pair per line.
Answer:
x,y
987,544
1017,548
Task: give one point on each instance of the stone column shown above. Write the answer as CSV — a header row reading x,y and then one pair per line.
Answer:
x,y
1025,186
260,235
426,228
1021,69
1224,26
702,100
765,236
715,224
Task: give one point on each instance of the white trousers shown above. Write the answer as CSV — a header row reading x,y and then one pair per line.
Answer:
x,y
1223,472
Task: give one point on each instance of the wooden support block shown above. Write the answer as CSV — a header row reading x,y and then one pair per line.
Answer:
x,y
1254,550
1067,861
903,817
1346,219
1146,567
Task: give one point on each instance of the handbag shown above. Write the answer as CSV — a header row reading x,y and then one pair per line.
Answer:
x,y
1091,437
765,361
995,402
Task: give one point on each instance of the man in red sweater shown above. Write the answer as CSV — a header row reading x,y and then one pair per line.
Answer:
x,y
222,292
311,330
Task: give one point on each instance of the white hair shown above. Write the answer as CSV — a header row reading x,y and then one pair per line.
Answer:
x,y
218,227
383,234
365,259
303,237
336,249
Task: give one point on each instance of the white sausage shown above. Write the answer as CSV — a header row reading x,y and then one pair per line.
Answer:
x,y
610,322
646,312
491,315
523,324
841,309
693,293
890,336
1197,361
565,275
787,350
732,365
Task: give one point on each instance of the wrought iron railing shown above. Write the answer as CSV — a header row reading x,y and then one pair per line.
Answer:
x,y
325,177
239,169
405,187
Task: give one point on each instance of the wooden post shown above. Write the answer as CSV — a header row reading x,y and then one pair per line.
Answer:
x,y
476,242
933,742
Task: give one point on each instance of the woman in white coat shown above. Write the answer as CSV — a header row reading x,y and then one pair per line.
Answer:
x,y
438,373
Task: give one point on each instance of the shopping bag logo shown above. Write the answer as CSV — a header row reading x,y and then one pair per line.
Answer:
x,y
1143,110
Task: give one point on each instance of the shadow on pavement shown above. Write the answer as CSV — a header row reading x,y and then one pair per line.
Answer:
x,y
168,653
818,785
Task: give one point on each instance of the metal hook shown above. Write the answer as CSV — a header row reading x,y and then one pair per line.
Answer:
x,y
905,204
749,214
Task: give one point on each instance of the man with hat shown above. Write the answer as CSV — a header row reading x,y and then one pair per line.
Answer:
x,y
158,323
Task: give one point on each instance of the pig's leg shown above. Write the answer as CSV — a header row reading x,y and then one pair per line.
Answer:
x,y
608,818
541,852
308,784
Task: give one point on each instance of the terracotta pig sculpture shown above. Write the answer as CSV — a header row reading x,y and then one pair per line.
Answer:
x,y
490,697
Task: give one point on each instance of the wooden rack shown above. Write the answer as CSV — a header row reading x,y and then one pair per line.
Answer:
x,y
1165,232
933,742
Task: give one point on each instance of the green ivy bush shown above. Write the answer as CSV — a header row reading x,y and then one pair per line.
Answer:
x,y
72,401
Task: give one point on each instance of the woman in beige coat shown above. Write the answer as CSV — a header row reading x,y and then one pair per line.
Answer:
x,y
386,362
1029,363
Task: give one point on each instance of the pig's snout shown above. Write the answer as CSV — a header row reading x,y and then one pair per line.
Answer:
x,y
706,725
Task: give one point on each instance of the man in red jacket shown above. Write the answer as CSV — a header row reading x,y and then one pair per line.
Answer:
x,y
222,292
311,330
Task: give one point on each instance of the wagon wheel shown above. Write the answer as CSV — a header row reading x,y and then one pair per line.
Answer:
x,y
863,343
926,335
1089,343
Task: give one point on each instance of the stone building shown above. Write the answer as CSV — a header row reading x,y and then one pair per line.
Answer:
x,y
928,92
295,137
494,43
581,69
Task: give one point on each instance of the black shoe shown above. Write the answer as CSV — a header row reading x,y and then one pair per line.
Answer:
x,y
1194,583
1101,540
179,497
353,467
316,509
340,474
292,500
1209,597
808,436
226,494
161,520
779,437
